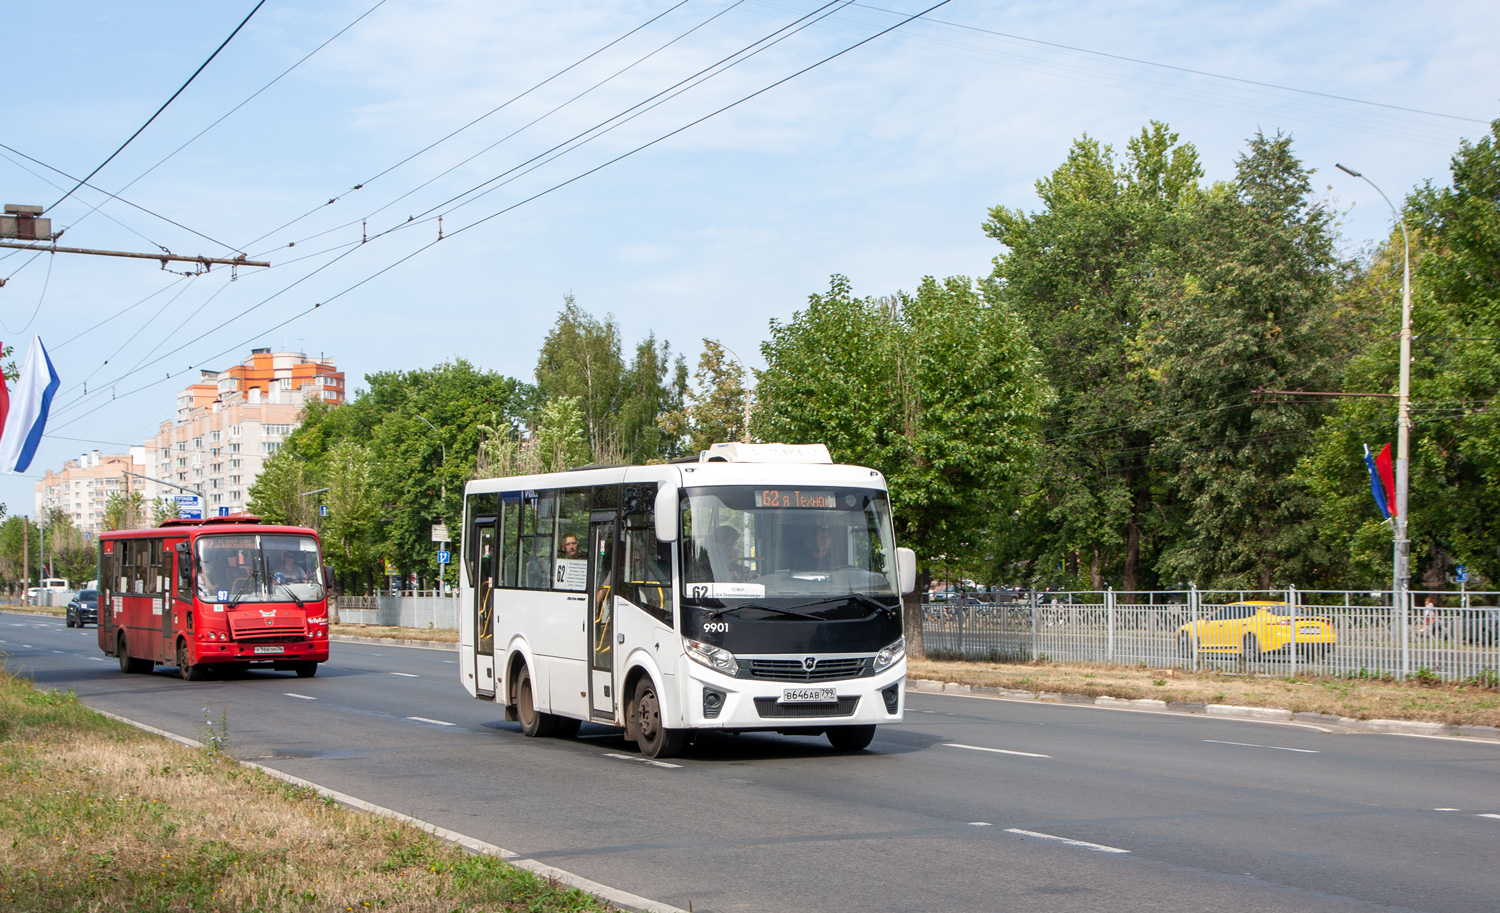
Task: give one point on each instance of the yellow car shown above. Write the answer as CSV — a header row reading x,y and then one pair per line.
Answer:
x,y
1254,629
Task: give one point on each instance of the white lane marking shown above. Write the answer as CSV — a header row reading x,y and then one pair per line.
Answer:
x,y
28,646
980,824
1253,745
56,651
1024,754
1488,815
97,659
406,675
451,662
423,719
628,757
300,697
1097,847
1447,809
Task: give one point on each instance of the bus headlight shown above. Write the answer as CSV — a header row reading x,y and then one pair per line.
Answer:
x,y
715,658
890,654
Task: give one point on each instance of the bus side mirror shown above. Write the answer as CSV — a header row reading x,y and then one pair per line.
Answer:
x,y
666,513
906,569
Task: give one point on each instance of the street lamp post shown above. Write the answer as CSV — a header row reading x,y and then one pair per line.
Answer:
x,y
1401,563
745,373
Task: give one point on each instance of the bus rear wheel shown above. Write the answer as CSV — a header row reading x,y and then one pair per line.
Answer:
x,y
129,664
850,738
655,739
534,723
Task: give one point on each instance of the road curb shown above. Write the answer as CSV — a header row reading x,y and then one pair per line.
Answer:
x,y
622,899
1226,711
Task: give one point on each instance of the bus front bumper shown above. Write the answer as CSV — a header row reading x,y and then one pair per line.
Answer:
x,y
711,700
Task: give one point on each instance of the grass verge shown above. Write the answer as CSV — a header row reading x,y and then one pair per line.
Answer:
x,y
1475,703
100,816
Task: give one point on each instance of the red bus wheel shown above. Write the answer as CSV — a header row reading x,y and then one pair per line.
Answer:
x,y
188,671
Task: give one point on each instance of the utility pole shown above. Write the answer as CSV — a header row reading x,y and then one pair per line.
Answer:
x,y
25,555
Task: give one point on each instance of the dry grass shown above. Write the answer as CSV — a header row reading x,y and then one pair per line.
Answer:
x,y
1474,703
99,816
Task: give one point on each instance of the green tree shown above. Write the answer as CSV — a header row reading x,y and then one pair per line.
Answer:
x,y
1243,300
18,538
939,391
1455,378
122,511
714,409
276,495
580,358
351,530
1074,271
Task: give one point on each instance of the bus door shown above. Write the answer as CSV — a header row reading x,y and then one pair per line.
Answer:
x,y
177,563
602,565
482,539
158,585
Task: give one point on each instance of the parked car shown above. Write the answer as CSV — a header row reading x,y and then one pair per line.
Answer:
x,y
1254,629
1476,625
83,609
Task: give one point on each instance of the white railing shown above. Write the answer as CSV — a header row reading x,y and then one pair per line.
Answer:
x,y
1456,638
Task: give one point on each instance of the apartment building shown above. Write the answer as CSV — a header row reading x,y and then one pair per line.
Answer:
x,y
226,425
83,486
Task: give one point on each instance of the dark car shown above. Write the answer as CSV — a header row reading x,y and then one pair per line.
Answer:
x,y
83,609
1477,625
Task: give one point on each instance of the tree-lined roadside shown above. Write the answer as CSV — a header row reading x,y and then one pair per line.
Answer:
x,y
101,816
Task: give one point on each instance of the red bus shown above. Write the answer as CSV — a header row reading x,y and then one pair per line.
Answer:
x,y
214,594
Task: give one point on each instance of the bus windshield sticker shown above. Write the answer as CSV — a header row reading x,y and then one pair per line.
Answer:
x,y
571,574
223,595
727,590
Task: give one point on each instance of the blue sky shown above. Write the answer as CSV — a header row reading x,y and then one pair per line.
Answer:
x,y
880,165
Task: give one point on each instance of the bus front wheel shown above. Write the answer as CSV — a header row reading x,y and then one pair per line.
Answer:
x,y
850,738
655,739
534,723
190,672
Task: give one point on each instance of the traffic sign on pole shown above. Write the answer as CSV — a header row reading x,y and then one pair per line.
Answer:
x,y
443,557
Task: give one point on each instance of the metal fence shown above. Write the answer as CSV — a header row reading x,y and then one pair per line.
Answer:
x,y
1441,635
428,610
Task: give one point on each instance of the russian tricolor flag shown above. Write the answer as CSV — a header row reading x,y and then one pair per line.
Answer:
x,y
1382,481
26,417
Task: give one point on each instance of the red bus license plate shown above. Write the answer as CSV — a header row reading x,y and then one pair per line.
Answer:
x,y
270,649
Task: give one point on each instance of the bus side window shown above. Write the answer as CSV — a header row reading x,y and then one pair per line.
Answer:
x,y
647,568
160,568
570,567
184,573
536,540
124,553
510,532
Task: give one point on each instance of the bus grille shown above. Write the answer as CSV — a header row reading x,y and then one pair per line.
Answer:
x,y
769,709
282,629
791,670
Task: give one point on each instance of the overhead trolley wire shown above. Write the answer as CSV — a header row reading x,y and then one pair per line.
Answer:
x,y
434,242
180,90
494,110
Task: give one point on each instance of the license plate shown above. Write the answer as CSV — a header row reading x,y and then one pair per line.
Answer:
x,y
270,649
808,696
1309,629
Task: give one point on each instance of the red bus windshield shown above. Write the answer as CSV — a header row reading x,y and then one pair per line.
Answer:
x,y
258,567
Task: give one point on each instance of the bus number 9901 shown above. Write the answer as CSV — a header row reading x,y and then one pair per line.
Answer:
x,y
716,627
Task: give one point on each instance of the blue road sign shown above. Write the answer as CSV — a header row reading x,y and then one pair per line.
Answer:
x,y
223,511
184,513
1461,574
443,557
322,510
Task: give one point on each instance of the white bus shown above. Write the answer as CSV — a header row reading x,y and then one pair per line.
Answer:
x,y
755,588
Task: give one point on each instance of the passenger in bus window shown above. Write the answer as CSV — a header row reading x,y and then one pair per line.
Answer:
x,y
819,557
569,547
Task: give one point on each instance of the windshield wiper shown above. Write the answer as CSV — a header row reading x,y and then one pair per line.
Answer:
x,y
764,608
295,597
861,598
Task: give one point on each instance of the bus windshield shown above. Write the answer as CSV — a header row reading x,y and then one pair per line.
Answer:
x,y
257,567
823,551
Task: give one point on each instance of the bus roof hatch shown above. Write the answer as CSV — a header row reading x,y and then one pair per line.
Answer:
x,y
734,452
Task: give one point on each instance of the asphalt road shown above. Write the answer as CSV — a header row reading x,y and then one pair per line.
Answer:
x,y
970,805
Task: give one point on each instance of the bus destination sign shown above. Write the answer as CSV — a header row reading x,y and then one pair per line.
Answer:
x,y
773,497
